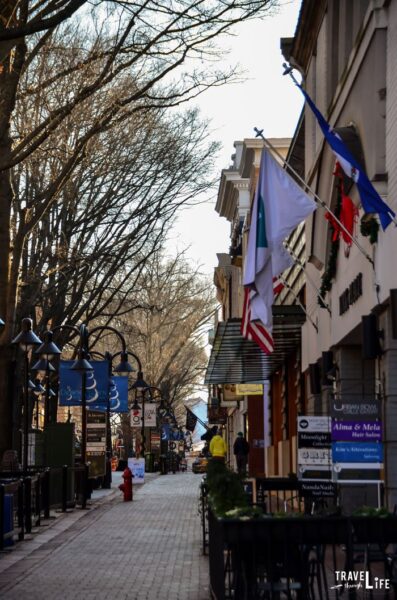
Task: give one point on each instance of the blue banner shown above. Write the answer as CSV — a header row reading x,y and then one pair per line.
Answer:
x,y
361,452
165,432
96,384
118,396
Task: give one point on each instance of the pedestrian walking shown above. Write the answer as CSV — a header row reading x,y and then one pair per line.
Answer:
x,y
241,449
218,447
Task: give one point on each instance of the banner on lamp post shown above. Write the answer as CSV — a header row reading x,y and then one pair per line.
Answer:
x,y
96,384
136,417
150,415
118,396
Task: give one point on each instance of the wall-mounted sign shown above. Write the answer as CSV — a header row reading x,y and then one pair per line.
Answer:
x,y
317,424
258,443
251,389
217,416
357,431
361,452
351,294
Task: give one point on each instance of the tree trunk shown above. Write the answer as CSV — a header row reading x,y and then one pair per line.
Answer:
x,y
11,61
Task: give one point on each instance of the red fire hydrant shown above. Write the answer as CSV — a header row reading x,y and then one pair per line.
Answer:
x,y
126,487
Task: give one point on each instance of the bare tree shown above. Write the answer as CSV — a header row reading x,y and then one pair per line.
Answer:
x,y
165,323
120,58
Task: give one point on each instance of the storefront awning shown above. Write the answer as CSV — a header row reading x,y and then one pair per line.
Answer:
x,y
235,359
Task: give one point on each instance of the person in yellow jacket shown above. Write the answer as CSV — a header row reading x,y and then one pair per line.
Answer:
x,y
218,447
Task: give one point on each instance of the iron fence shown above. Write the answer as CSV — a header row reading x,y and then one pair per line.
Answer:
x,y
26,498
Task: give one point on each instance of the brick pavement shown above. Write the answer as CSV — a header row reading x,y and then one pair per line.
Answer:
x,y
148,549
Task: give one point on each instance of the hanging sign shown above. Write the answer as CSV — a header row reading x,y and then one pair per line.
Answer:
x,y
355,410
351,452
136,417
150,414
96,443
317,489
317,424
314,456
173,445
357,431
314,439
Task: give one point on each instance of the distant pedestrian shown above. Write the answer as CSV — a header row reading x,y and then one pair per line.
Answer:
x,y
218,447
241,449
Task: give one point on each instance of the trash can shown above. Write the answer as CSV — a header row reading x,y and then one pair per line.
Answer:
x,y
149,462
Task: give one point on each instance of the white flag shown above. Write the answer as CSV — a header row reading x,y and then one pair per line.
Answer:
x,y
279,206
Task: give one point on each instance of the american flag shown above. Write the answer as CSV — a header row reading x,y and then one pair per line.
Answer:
x,y
255,330
278,285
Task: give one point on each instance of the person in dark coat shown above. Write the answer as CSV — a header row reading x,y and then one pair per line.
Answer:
x,y
241,449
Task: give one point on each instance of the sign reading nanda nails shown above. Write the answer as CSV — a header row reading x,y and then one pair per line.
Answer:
x,y
357,431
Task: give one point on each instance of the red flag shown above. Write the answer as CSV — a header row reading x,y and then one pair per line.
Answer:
x,y
255,330
348,216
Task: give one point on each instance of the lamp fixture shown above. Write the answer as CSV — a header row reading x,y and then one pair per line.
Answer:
x,y
43,366
48,348
27,338
124,366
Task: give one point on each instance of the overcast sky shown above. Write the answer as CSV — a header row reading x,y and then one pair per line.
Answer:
x,y
266,100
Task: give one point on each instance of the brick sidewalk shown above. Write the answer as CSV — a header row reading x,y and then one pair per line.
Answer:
x,y
148,549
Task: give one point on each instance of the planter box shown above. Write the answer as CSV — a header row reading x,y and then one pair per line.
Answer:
x,y
374,530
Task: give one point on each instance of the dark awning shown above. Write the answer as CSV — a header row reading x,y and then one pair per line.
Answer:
x,y
235,359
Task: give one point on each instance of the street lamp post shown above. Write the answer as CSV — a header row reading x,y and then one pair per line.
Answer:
x,y
46,352
26,340
141,386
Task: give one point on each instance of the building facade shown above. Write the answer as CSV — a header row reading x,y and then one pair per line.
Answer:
x,y
345,53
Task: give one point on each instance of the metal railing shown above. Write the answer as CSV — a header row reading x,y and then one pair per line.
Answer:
x,y
27,498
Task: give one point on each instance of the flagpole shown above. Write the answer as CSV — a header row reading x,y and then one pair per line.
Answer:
x,y
259,133
300,303
302,267
288,70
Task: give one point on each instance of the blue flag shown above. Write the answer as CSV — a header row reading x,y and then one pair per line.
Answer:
x,y
370,199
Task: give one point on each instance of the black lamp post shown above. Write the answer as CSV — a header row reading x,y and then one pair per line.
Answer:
x,y
140,386
26,340
123,367
38,391
47,351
